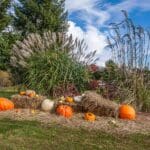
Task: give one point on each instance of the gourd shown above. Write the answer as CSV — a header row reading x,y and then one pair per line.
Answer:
x,y
127,112
6,104
47,105
22,93
69,99
89,116
30,93
65,110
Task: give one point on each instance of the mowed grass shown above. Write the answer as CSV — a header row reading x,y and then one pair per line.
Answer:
x,y
8,92
26,135
29,135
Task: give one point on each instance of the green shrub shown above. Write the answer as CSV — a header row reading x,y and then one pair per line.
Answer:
x,y
50,69
35,44
6,42
4,53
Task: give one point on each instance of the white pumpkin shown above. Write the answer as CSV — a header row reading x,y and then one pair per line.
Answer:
x,y
47,105
77,98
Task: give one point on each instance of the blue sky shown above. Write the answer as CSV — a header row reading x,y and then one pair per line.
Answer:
x,y
88,18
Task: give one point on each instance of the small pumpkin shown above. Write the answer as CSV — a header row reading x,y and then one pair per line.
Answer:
x,y
127,112
22,93
65,110
37,96
6,104
30,93
89,116
69,99
78,98
62,98
47,105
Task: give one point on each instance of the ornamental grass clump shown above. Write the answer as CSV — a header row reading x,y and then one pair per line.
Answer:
x,y
129,45
53,63
51,69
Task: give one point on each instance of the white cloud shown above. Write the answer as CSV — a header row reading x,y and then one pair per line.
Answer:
x,y
90,10
129,5
95,14
92,16
94,39
79,4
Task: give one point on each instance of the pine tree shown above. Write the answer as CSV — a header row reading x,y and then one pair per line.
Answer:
x,y
37,16
4,17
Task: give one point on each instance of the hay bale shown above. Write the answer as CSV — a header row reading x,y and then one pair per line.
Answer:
x,y
76,106
95,103
27,102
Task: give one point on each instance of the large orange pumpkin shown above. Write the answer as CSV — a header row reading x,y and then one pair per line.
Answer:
x,y
89,116
6,104
65,111
127,112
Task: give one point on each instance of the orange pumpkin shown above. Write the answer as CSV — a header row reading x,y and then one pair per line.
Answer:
x,y
127,112
65,111
6,104
69,99
22,93
30,93
89,116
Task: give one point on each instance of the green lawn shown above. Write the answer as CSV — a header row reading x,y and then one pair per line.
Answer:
x,y
8,92
26,135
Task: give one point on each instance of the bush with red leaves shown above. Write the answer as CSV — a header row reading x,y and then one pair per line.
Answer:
x,y
93,68
93,84
65,90
109,91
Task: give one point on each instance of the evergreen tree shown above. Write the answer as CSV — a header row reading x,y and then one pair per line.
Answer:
x,y
4,17
40,15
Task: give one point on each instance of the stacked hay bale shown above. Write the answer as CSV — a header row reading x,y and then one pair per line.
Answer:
x,y
76,106
24,101
95,103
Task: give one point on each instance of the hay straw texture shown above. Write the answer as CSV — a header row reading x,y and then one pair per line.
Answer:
x,y
27,102
95,103
75,106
